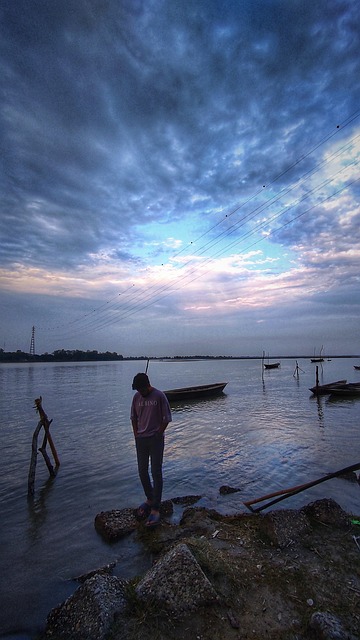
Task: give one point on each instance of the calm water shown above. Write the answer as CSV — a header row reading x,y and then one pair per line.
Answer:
x,y
266,433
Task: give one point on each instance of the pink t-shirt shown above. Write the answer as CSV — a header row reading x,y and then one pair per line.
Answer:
x,y
151,412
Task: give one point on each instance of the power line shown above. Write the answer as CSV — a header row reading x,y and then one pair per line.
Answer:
x,y
137,301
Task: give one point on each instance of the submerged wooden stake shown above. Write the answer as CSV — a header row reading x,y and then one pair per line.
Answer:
x,y
43,422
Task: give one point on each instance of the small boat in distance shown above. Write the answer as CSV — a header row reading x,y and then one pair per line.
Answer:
x,y
357,367
271,365
268,364
318,358
199,391
324,389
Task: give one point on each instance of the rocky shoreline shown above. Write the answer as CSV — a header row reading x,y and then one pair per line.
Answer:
x,y
287,574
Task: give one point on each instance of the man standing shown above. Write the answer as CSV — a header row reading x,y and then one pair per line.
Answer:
x,y
150,415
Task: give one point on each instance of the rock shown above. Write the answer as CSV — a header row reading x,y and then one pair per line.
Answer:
x,y
89,613
328,627
105,570
177,583
284,527
186,500
225,490
249,581
166,508
197,520
350,476
234,622
115,524
327,511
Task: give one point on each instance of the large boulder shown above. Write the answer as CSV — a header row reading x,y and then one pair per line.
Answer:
x,y
177,583
89,613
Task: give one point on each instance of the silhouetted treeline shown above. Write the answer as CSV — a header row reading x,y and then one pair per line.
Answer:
x,y
76,355
61,355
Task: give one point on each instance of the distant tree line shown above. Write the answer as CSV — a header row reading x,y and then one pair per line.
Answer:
x,y
60,355
76,355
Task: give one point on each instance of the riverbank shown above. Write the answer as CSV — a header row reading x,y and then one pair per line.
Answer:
x,y
288,574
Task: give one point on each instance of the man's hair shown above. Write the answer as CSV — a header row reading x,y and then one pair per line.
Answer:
x,y
141,381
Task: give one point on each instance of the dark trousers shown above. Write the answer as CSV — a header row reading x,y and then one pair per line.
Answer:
x,y
151,449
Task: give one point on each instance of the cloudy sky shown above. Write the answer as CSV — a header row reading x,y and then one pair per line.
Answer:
x,y
180,177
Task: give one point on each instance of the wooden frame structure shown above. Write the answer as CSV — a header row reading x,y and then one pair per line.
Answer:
x,y
43,422
292,491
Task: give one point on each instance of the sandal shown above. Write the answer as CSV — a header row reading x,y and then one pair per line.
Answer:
x,y
143,511
153,520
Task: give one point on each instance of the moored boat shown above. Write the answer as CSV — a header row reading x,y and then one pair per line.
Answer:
x,y
199,391
357,367
323,389
271,365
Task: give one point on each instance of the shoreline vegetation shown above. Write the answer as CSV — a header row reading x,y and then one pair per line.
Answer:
x,y
77,355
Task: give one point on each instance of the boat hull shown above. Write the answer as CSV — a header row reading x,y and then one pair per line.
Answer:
x,y
350,389
325,389
200,391
272,365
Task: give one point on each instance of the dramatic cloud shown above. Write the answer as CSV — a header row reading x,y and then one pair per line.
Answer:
x,y
180,177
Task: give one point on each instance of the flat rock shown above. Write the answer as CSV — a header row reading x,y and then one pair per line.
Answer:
x,y
115,524
197,520
186,500
118,523
177,583
89,613
284,527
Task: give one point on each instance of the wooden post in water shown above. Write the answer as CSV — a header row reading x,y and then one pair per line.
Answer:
x,y
43,422
297,369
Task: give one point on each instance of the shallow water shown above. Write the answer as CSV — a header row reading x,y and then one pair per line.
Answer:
x,y
264,434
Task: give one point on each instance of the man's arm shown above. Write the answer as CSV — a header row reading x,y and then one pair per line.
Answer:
x,y
163,427
134,426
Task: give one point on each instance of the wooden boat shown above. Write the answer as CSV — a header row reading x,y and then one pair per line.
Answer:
x,y
357,367
323,389
349,389
200,391
271,365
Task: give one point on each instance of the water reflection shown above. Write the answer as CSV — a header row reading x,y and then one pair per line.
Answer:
x,y
320,410
37,509
259,437
346,399
196,403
